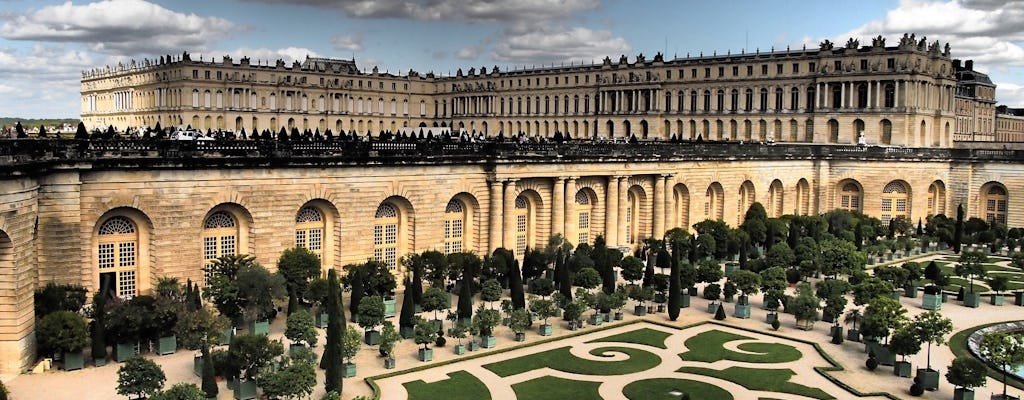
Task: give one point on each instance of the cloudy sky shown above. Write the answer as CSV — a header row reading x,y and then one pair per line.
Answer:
x,y
45,44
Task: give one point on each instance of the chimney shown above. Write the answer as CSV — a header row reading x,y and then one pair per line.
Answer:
x,y
969,65
956,65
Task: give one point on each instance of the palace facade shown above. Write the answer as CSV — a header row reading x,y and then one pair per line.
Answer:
x,y
129,212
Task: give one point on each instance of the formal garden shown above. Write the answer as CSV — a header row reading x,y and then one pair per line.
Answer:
x,y
769,279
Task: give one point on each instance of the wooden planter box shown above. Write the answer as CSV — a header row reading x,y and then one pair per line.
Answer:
x,y
1018,298
348,370
389,308
488,342
910,291
460,349
389,363
618,316
225,337
259,328
74,360
972,300
730,267
741,311
407,332
895,295
520,337
321,320
998,299
928,378
167,345
853,335
197,365
832,330
473,346
545,330
963,394
245,390
639,310
426,355
124,351
684,300
294,347
902,369
607,317
713,308
371,337
771,317
595,319
931,302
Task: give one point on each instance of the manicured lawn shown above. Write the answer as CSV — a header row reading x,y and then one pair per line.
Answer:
x,y
554,388
772,380
709,347
561,359
460,385
663,388
644,336
958,345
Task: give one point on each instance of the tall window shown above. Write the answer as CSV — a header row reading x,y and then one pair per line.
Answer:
x,y
454,227
994,203
714,208
522,214
682,201
895,201
849,197
803,197
220,238
745,201
385,236
936,198
584,207
117,256
309,230
775,197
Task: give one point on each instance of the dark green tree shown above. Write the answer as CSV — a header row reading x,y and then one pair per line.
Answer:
x,y
674,291
209,380
139,378
434,300
755,223
297,265
407,318
99,330
465,305
958,229
515,284
331,360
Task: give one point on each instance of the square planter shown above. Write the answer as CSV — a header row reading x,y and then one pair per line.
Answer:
x,y
520,337
473,346
389,363
225,337
730,267
661,307
488,342
245,390
231,383
322,320
895,295
294,347
545,330
348,370
371,337
167,345
931,302
963,394
741,311
691,291
684,300
832,330
727,299
460,349
259,328
853,335
910,291
929,378
901,369
606,317
573,325
1018,298
389,308
99,362
74,361
945,297
771,317
407,332
713,308
426,355
639,310
998,299
595,319
972,300
197,365
124,351
617,316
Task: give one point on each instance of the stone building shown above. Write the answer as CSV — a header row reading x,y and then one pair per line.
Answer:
x,y
975,104
1009,124
129,212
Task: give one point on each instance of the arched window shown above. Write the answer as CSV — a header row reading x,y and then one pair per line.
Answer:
x,y
849,196
309,230
746,199
886,126
775,198
994,202
895,201
522,217
682,202
937,198
584,207
803,197
454,227
385,235
220,238
117,256
714,207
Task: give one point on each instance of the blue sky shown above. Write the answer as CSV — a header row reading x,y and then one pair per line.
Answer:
x,y
44,44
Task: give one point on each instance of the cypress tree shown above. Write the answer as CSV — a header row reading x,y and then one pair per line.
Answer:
x,y
648,280
209,380
858,237
356,279
743,253
197,298
331,360
99,330
565,279
958,229
465,306
794,234
693,250
515,282
417,280
673,288
769,240
407,318
920,229
293,303
720,313
81,133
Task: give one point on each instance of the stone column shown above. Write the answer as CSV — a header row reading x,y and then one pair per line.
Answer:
x,y
659,207
611,212
569,206
495,234
620,236
817,97
558,206
509,238
670,211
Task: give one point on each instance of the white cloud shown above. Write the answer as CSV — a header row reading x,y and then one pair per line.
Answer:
x,y
538,44
452,10
262,54
348,42
468,53
1010,94
117,27
986,31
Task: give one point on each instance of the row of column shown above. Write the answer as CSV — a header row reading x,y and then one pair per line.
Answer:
x,y
503,194
471,105
123,100
632,100
918,94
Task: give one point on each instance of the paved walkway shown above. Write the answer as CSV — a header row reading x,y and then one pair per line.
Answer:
x,y
100,383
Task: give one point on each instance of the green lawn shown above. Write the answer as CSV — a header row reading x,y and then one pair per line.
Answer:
x,y
709,347
662,388
460,385
772,380
644,336
554,388
561,359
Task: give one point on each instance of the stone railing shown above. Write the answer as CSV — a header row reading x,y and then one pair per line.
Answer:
x,y
23,153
